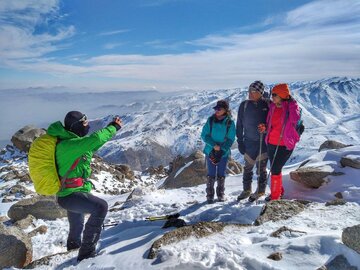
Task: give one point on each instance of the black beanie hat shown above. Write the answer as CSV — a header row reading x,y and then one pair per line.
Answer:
x,y
71,118
73,123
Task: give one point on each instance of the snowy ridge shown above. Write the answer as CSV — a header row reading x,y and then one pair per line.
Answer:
x,y
331,110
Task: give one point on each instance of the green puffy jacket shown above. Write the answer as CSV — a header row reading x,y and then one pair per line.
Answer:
x,y
219,135
72,147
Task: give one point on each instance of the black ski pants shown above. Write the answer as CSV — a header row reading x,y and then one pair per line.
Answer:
x,y
280,159
77,205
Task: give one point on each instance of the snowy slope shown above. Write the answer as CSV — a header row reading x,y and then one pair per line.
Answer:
x,y
126,245
331,110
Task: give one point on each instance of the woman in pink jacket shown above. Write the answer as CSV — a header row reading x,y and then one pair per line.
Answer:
x,y
281,138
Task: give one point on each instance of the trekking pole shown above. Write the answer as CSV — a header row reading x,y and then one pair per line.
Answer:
x,y
110,224
259,157
155,218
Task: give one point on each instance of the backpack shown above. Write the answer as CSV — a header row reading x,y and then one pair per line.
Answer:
x,y
42,166
300,127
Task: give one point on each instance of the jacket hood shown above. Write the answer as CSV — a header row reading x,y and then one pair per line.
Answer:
x,y
58,130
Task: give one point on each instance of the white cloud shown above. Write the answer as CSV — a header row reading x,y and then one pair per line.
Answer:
x,y
18,23
110,46
312,42
115,32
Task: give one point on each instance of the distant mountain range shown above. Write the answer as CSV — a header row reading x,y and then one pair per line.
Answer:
x,y
159,126
155,132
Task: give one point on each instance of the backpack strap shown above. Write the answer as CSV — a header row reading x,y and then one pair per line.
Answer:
x,y
73,166
228,125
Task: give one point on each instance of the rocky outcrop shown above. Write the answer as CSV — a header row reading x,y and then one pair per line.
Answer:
x,y
191,171
199,230
278,210
40,207
350,161
330,144
23,138
311,177
148,154
15,247
351,237
338,263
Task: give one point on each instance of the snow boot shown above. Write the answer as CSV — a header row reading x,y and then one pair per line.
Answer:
x,y
71,245
91,236
256,195
220,189
244,194
210,191
276,187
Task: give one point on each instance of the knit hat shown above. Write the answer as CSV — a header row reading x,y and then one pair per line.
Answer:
x,y
74,122
222,103
257,86
282,90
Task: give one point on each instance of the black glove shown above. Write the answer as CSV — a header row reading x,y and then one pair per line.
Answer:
x,y
115,125
215,156
241,147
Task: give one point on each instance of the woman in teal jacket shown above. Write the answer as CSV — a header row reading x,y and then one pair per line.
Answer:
x,y
218,135
75,150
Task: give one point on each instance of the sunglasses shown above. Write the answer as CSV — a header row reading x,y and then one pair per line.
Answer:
x,y
82,120
274,95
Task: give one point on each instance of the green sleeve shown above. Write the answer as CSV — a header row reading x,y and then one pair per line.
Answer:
x,y
92,143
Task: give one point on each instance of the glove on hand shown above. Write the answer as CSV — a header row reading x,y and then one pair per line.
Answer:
x,y
262,128
215,156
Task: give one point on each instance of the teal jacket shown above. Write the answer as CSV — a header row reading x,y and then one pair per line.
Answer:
x,y
72,147
218,135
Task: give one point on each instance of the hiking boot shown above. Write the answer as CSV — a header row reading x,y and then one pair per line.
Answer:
x,y
210,191
86,251
268,198
72,245
255,196
245,194
220,189
210,201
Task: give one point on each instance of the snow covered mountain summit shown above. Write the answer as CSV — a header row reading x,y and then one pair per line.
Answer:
x,y
156,132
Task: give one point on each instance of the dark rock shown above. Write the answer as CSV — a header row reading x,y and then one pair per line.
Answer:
x,y
199,230
351,237
309,176
282,229
15,247
279,210
23,138
330,144
40,207
339,195
339,263
186,172
276,256
20,189
336,202
350,162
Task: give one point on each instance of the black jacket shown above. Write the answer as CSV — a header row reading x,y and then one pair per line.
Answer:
x,y
250,115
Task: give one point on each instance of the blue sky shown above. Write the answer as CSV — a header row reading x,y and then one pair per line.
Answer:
x,y
171,45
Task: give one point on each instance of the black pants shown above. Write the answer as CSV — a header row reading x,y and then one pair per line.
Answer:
x,y
78,204
280,159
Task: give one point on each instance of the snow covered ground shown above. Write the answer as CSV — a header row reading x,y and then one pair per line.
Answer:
x,y
126,245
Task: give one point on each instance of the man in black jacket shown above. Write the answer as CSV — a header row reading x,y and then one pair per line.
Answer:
x,y
250,129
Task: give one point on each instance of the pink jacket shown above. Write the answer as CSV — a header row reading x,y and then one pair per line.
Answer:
x,y
290,135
